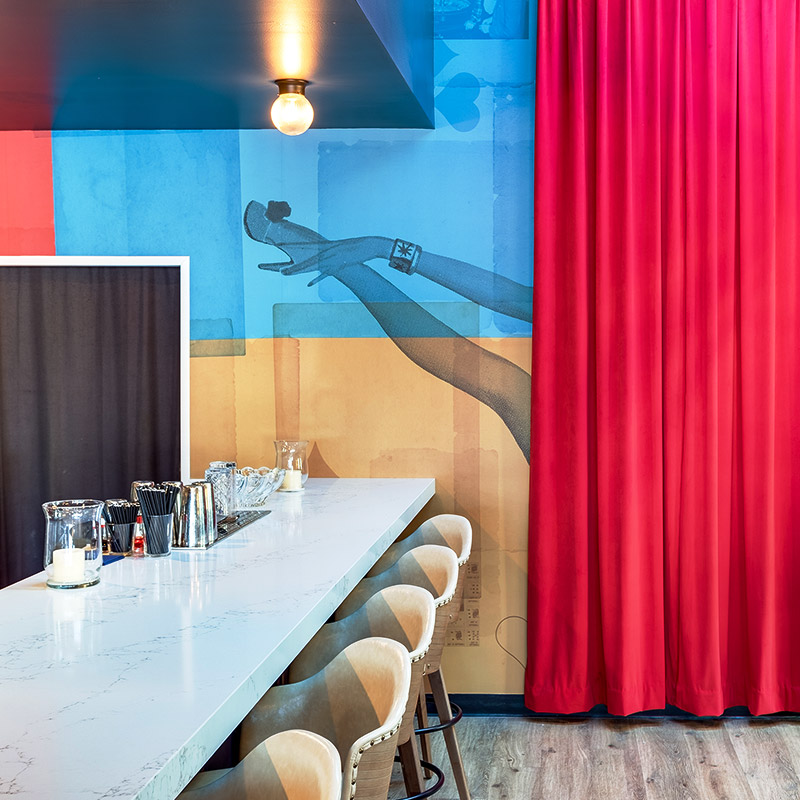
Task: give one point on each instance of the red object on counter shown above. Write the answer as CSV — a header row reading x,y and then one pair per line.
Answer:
x,y
138,538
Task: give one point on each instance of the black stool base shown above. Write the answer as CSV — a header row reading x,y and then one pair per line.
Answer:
x,y
455,712
431,789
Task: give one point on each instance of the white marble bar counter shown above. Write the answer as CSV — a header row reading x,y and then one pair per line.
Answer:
x,y
124,689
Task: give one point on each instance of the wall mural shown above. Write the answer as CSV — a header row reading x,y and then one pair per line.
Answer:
x,y
431,344
389,321
468,19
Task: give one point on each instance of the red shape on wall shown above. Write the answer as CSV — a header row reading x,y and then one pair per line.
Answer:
x,y
26,194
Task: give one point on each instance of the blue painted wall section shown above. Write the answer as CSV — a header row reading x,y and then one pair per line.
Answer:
x,y
462,191
163,193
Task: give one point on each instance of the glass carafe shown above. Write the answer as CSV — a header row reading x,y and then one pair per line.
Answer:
x,y
73,548
292,457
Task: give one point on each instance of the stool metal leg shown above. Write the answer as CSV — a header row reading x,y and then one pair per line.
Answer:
x,y
442,702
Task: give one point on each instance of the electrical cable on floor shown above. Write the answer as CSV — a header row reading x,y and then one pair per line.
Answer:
x,y
497,639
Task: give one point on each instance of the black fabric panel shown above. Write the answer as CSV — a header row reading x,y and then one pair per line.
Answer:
x,y
89,392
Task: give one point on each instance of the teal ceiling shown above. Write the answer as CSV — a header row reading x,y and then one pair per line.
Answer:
x,y
209,64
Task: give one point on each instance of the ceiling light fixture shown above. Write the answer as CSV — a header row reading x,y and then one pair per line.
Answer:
x,y
291,113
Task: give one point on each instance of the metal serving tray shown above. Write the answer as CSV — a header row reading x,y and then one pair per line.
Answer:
x,y
229,526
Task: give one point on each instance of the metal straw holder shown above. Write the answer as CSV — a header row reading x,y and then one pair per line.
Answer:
x,y
199,520
178,516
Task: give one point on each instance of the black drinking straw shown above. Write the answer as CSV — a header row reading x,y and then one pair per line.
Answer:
x,y
158,534
157,503
121,513
121,516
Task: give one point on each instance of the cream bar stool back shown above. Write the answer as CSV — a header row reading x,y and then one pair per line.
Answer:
x,y
455,532
404,613
295,765
448,530
436,569
428,567
357,702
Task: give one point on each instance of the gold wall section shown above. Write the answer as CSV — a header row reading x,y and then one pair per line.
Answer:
x,y
368,411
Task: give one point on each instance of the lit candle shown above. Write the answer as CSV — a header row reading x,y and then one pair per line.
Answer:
x,y
68,565
292,481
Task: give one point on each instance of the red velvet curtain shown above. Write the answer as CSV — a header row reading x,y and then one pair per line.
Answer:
x,y
665,470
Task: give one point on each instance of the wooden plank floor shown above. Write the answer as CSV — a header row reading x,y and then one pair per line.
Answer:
x,y
525,758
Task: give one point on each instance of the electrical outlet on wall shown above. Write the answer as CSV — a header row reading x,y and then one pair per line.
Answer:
x,y
472,589
455,638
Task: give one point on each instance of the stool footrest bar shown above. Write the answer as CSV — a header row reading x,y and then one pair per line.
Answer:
x,y
431,789
456,713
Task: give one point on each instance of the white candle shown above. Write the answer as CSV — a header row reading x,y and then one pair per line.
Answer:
x,y
293,480
69,565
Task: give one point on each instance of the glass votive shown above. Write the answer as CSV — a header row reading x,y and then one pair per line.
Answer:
x,y
291,456
73,547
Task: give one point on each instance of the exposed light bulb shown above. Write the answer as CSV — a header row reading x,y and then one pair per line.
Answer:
x,y
291,113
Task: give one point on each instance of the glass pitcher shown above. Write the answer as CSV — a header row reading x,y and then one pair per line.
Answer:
x,y
73,547
292,457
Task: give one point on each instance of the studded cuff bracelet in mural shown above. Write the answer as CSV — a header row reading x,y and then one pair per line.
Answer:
x,y
405,256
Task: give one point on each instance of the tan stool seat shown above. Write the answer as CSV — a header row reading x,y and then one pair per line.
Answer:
x,y
357,702
294,764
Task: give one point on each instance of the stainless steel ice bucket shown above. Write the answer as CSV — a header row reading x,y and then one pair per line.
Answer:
x,y
199,524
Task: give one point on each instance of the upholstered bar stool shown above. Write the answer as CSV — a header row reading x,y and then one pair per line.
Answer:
x,y
357,702
295,765
409,569
429,567
406,614
448,530
455,532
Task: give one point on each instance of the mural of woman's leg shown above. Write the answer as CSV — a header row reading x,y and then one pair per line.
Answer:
x,y
487,289
438,349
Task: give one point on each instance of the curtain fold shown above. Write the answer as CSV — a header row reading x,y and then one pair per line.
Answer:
x,y
665,470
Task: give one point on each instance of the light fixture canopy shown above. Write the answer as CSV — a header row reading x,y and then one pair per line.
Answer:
x,y
291,113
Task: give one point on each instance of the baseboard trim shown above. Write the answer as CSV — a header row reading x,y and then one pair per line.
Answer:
x,y
491,705
513,705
